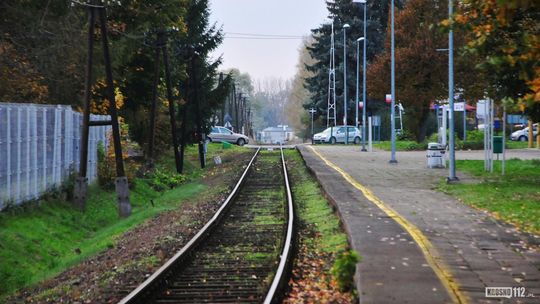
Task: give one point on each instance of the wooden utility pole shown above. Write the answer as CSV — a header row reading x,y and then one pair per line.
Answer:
x,y
81,184
153,108
161,45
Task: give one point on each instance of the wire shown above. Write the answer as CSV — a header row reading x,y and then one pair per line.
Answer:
x,y
264,38
264,35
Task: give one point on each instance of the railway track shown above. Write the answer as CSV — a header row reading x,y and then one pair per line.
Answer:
x,y
242,254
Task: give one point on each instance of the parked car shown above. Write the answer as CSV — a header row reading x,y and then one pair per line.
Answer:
x,y
222,134
523,135
337,134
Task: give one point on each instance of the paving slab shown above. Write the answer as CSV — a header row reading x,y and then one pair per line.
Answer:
x,y
478,250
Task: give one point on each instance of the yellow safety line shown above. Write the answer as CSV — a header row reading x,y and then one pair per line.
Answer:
x,y
439,267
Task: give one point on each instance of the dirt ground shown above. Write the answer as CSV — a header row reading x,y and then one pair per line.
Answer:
x,y
109,276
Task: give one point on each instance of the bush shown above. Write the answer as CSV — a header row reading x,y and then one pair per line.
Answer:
x,y
406,135
414,146
161,181
107,168
344,269
475,135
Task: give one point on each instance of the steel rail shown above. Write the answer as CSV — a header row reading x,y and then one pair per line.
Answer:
x,y
163,270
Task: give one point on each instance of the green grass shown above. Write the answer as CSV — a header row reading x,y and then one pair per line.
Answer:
x,y
409,145
516,144
40,240
514,198
401,145
313,209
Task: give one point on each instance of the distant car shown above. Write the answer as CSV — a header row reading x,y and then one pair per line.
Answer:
x,y
222,134
337,134
523,135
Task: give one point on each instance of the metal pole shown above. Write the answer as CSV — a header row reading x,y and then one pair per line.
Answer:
x,y
451,149
504,142
312,111
345,27
491,133
464,121
393,92
357,81
364,65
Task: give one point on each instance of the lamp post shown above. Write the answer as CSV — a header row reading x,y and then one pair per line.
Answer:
x,y
364,64
451,141
393,92
357,91
345,27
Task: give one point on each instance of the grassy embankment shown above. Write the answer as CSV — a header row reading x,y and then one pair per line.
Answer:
x,y
321,242
41,239
514,198
313,208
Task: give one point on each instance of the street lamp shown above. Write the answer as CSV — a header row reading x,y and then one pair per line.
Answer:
x,y
393,91
451,141
345,27
364,64
357,84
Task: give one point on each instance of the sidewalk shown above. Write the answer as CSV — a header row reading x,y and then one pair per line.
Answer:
x,y
433,249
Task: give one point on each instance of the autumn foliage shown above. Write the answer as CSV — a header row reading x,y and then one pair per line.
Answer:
x,y
421,71
19,79
506,35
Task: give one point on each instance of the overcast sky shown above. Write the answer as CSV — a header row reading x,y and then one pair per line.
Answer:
x,y
266,57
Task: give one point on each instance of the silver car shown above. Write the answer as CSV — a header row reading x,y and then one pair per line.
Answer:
x,y
523,135
337,134
222,134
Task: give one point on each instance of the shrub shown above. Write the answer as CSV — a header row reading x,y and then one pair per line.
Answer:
x,y
475,135
160,180
344,269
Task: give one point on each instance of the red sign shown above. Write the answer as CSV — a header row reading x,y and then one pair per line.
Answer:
x,y
361,104
388,98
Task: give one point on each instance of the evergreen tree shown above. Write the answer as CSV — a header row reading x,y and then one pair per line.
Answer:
x,y
202,94
341,12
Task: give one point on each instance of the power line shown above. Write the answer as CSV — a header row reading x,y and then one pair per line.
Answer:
x,y
264,38
264,35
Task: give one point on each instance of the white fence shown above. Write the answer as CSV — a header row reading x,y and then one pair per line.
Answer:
x,y
39,148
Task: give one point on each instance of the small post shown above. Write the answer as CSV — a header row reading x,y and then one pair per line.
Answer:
x,y
312,111
370,146
531,134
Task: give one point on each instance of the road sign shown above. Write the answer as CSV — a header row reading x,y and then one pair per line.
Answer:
x,y
459,106
228,125
361,104
388,98
376,121
481,109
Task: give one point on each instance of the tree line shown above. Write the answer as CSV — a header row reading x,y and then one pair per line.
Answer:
x,y
497,55
43,58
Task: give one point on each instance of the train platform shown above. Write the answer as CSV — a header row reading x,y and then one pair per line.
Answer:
x,y
419,245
